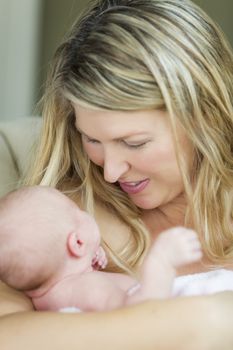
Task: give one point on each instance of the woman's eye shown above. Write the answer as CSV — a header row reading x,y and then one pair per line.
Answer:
x,y
134,145
88,139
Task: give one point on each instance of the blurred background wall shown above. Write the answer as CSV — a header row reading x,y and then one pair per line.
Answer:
x,y
19,55
30,31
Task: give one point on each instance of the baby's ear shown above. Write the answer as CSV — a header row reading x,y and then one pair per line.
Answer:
x,y
75,244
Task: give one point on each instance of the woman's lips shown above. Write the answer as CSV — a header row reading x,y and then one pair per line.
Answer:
x,y
134,187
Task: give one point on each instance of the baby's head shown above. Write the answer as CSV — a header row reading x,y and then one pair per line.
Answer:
x,y
39,229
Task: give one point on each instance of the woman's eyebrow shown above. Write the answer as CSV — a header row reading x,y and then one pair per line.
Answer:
x,y
139,133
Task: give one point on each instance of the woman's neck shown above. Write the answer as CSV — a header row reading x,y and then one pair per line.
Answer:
x,y
166,216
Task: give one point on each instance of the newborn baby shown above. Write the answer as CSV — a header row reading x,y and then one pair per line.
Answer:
x,y
51,250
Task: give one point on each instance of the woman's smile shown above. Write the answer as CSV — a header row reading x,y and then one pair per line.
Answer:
x,y
134,187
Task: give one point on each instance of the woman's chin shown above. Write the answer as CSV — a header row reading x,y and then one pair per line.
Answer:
x,y
145,203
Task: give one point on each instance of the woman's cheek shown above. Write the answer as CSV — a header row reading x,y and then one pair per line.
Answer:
x,y
94,153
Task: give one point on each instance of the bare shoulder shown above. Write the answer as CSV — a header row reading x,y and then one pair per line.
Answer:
x,y
13,301
115,232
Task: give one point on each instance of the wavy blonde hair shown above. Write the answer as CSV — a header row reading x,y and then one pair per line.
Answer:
x,y
137,55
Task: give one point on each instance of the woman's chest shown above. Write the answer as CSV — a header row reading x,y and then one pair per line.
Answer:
x,y
113,231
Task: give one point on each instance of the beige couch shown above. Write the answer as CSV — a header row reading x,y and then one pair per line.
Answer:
x,y
17,138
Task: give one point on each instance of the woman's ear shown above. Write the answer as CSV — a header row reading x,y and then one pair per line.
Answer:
x,y
76,246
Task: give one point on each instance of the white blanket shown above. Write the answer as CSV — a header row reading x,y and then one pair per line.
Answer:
x,y
203,283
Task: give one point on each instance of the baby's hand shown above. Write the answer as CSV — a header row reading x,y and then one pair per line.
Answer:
x,y
179,246
100,259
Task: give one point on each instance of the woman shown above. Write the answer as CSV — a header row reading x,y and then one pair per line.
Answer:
x,y
138,129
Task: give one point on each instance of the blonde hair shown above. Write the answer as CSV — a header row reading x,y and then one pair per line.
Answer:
x,y
145,54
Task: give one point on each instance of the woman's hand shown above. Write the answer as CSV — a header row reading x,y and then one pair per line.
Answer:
x,y
13,301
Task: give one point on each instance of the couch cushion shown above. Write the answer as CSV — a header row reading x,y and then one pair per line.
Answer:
x,y
9,174
17,140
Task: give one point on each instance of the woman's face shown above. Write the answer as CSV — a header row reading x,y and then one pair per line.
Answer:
x,y
136,150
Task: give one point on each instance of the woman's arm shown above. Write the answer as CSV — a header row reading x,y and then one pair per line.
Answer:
x,y
202,323
12,301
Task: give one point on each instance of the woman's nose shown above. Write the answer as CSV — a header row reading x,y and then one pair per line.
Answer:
x,y
114,167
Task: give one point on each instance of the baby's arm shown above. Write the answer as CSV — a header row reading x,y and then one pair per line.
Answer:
x,y
173,248
91,291
100,293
